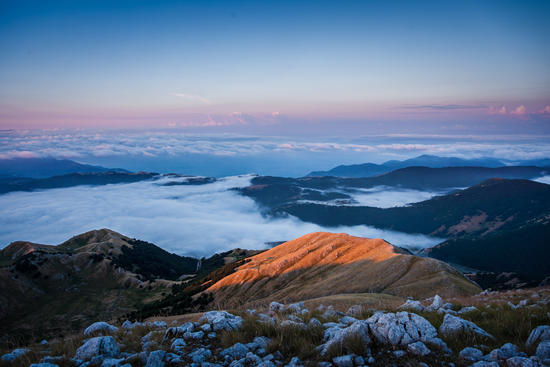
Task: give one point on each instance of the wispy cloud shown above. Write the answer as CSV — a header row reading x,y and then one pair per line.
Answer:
x,y
442,107
193,98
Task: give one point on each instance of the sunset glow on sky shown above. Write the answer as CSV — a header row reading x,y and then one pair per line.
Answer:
x,y
195,64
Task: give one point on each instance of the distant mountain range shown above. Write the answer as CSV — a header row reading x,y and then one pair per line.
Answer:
x,y
73,179
373,169
47,167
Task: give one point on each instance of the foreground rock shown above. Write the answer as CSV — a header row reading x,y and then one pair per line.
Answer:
x,y
453,325
538,334
100,327
105,346
222,320
219,339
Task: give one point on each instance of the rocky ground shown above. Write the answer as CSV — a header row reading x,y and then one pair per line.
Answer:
x,y
498,330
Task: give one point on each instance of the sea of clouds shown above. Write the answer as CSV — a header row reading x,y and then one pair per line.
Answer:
x,y
388,197
188,220
226,154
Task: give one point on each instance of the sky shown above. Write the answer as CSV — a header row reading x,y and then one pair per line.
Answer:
x,y
277,68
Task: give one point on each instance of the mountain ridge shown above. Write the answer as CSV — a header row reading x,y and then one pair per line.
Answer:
x,y
47,167
425,160
322,264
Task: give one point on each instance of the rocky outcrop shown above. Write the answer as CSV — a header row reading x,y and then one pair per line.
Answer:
x,y
14,355
538,334
99,346
100,328
453,325
222,320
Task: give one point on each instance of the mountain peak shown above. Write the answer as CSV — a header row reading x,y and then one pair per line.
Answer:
x,y
321,263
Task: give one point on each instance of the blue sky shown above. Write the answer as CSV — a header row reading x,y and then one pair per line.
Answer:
x,y
194,64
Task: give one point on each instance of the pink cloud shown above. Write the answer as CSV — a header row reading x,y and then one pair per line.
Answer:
x,y
545,110
18,154
498,110
520,110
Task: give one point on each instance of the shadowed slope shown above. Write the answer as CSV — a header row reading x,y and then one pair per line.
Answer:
x,y
322,264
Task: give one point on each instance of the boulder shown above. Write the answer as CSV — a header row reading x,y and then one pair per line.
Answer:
x,y
399,353
359,361
290,323
335,335
236,351
355,310
418,349
178,331
276,307
262,317
156,359
98,346
538,334
412,305
14,354
468,309
197,335
470,354
252,359
508,350
453,325
200,355
485,364
178,345
295,362
343,361
313,322
347,320
130,325
112,362
543,351
295,307
100,327
437,303
157,324
401,328
520,362
222,320
52,360
259,343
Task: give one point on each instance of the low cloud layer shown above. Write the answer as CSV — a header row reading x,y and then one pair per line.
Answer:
x,y
190,220
388,197
101,147
543,179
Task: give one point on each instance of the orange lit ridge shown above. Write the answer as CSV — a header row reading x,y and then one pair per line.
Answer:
x,y
318,249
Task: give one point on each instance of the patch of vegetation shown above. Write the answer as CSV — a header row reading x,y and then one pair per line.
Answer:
x,y
290,340
152,262
25,264
183,297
